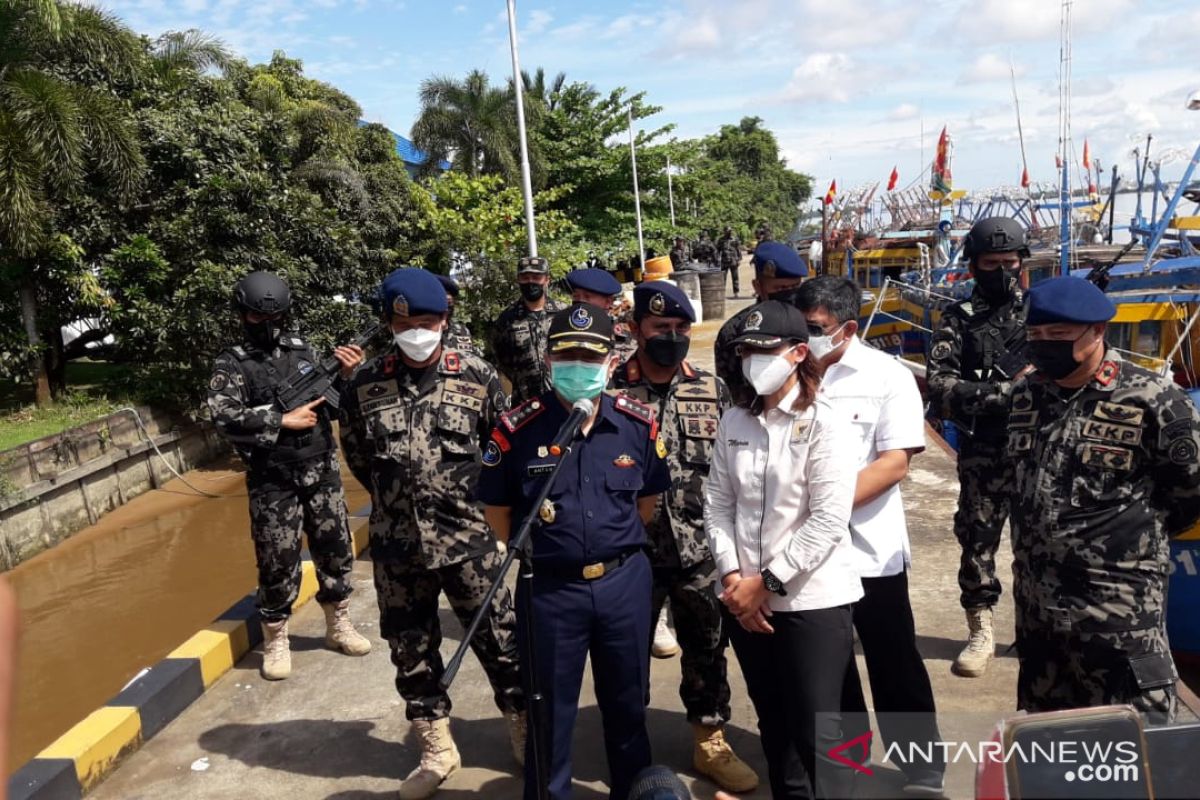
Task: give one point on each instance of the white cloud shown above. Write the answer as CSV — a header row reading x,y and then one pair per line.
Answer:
x,y
539,20
990,67
460,9
823,77
904,111
993,21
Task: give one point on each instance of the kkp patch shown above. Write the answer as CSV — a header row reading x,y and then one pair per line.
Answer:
x,y
754,321
1182,451
219,381
304,367
941,350
491,454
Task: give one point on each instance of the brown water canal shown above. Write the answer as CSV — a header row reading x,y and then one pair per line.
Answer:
x,y
118,596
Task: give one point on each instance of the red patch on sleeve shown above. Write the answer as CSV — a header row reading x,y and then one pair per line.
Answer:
x,y
500,439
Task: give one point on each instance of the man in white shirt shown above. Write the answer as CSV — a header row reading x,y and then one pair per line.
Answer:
x,y
879,396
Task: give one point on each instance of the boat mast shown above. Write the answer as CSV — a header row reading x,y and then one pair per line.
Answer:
x,y
1064,139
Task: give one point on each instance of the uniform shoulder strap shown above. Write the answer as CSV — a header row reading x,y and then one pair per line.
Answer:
x,y
639,411
521,416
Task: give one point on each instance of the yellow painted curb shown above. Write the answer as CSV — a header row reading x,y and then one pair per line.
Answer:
x,y
360,536
98,742
308,585
218,647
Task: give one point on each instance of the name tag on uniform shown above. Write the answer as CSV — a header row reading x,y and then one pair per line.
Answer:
x,y
699,408
539,469
374,396
1111,432
801,431
1106,457
700,427
1022,419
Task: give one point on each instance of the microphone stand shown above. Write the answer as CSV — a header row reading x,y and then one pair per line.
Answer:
x,y
520,546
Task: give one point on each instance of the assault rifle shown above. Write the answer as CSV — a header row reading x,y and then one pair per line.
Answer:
x,y
304,386
1099,272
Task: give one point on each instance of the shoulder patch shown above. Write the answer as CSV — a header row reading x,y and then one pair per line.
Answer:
x,y
219,381
940,351
1109,371
451,362
703,387
520,416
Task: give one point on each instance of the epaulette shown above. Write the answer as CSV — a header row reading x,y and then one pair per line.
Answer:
x,y
520,416
639,411
239,352
686,368
1108,373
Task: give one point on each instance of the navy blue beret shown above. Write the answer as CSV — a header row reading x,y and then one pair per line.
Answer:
x,y
410,291
661,299
1068,299
778,260
594,280
449,284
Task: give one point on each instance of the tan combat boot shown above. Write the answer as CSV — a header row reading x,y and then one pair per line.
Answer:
x,y
340,633
276,657
715,759
518,730
972,662
439,758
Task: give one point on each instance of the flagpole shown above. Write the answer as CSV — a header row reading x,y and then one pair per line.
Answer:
x,y
526,185
637,199
824,235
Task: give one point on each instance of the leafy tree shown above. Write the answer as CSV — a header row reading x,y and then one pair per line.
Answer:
x,y
56,133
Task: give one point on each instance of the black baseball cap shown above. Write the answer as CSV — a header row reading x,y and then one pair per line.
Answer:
x,y
581,325
771,323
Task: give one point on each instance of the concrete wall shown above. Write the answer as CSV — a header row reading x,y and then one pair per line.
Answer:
x,y
54,487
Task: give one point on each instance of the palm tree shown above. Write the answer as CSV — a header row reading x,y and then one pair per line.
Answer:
x,y
469,123
54,132
537,89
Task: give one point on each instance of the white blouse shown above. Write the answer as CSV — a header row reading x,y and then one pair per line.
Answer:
x,y
779,495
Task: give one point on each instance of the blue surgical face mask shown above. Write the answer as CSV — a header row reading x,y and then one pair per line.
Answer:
x,y
577,380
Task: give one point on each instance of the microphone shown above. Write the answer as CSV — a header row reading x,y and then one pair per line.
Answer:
x,y
579,412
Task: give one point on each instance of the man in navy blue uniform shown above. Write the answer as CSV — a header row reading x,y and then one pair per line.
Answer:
x,y
592,579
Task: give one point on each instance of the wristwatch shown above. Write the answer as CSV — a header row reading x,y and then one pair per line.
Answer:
x,y
772,583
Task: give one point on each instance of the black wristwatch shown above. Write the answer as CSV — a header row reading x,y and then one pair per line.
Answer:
x,y
772,583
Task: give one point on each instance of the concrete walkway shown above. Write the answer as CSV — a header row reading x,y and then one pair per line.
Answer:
x,y
336,729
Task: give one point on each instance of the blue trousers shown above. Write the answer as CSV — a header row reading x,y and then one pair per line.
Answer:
x,y
608,619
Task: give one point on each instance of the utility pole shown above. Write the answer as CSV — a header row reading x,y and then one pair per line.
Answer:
x,y
526,185
637,198
670,192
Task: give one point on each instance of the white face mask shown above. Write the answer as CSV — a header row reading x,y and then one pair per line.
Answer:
x,y
418,343
767,372
821,346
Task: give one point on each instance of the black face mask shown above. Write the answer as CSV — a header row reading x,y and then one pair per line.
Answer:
x,y
668,350
1054,358
993,283
262,335
532,292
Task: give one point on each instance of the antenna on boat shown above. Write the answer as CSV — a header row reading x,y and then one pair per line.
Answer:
x,y
1012,71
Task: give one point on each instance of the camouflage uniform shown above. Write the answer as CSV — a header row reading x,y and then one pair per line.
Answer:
x,y
682,565
704,252
457,336
518,344
965,388
680,255
1104,475
292,477
413,439
729,253
729,363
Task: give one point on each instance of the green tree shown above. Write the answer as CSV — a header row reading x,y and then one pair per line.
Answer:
x,y
56,134
472,124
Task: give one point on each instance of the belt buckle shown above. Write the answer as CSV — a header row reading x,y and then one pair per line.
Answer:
x,y
593,571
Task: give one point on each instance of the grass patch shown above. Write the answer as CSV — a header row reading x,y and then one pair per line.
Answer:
x,y
30,423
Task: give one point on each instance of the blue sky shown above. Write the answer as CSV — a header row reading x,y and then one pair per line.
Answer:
x,y
847,85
